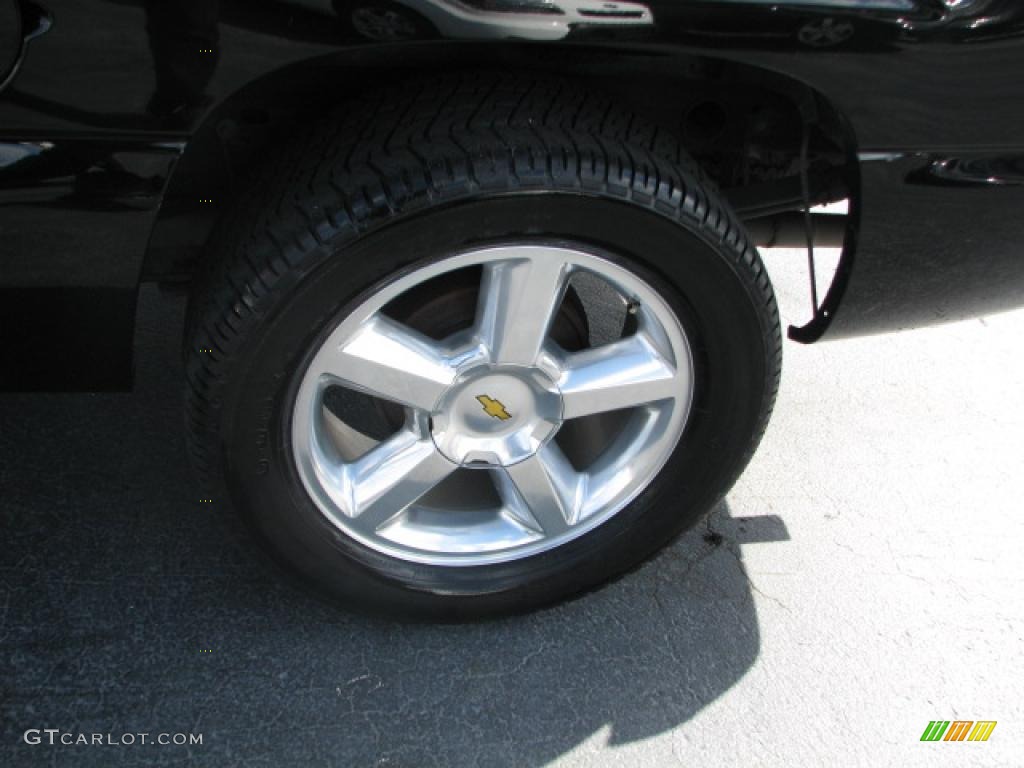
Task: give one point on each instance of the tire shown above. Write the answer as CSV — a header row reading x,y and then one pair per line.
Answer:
x,y
386,191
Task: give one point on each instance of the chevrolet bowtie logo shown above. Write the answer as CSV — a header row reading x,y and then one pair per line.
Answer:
x,y
493,407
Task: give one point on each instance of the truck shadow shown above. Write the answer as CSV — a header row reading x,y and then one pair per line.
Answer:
x,y
131,606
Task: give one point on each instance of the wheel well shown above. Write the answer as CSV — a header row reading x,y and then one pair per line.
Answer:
x,y
745,126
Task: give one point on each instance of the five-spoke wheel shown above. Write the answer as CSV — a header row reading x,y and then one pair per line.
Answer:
x,y
492,398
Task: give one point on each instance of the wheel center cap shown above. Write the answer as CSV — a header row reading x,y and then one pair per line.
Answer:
x,y
496,416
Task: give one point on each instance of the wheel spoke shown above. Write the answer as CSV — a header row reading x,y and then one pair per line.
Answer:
x,y
392,476
542,492
389,360
518,301
623,374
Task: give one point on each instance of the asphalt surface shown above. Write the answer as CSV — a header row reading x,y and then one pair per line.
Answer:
x,y
863,578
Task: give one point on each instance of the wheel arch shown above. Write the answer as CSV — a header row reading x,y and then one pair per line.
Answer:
x,y
713,102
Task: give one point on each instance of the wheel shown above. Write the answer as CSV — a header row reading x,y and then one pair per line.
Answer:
x,y
384,21
478,345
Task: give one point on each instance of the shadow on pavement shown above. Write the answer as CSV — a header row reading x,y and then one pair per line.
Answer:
x,y
128,606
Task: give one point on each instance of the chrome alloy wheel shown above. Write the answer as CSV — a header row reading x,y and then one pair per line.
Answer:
x,y
489,403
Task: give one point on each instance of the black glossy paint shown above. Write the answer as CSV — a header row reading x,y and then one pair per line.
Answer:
x,y
10,36
75,217
105,102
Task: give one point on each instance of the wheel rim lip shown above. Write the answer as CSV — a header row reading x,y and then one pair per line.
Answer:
x,y
669,420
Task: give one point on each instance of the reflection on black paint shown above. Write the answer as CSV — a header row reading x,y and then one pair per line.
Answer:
x,y
184,41
986,170
82,211
87,175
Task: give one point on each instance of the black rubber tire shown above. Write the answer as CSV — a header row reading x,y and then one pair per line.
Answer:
x,y
407,176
